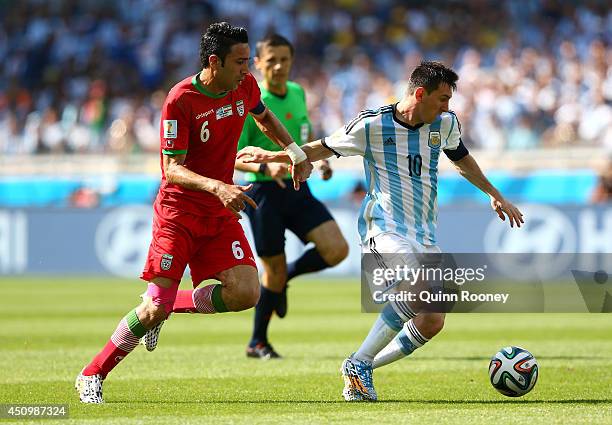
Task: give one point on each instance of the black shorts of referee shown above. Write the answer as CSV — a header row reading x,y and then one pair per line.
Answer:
x,y
279,209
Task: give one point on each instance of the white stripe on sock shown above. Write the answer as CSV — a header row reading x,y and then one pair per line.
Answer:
x,y
123,337
202,299
414,335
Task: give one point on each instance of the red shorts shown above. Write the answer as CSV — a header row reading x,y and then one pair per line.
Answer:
x,y
208,245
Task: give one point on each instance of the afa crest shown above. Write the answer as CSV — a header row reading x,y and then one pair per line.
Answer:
x,y
435,140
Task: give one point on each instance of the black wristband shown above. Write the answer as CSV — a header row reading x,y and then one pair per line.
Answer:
x,y
262,168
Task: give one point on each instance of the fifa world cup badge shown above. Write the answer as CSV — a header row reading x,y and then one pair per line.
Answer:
x,y
166,262
170,129
434,139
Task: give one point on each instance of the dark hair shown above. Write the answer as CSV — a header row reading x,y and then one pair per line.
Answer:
x,y
273,40
430,74
219,39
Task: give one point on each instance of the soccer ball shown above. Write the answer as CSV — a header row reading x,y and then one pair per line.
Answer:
x,y
513,371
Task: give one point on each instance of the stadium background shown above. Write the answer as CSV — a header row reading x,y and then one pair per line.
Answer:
x,y
80,94
83,81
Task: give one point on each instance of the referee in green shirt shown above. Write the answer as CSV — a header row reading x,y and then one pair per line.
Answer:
x,y
280,206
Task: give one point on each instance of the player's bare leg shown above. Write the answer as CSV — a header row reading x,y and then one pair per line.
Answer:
x,y
240,287
274,276
330,248
429,324
329,242
238,290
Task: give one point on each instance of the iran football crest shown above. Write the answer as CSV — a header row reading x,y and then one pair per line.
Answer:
x,y
240,107
166,262
434,139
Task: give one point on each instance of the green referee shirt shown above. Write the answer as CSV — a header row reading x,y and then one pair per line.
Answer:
x,y
290,110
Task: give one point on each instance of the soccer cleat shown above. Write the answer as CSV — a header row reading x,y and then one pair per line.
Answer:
x,y
281,305
89,388
150,339
349,393
262,351
358,382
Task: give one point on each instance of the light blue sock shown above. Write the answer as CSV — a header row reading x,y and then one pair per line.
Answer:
x,y
406,341
387,325
391,318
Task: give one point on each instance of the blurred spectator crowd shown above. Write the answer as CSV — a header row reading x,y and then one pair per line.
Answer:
x,y
89,76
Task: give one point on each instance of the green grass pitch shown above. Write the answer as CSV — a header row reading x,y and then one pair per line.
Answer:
x,y
50,328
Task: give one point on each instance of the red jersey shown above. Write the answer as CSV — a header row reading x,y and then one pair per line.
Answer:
x,y
206,128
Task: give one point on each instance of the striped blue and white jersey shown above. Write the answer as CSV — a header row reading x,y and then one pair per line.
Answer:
x,y
401,170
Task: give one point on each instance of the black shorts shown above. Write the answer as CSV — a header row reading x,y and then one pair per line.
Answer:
x,y
280,209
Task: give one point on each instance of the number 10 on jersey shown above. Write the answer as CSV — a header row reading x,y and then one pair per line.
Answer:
x,y
415,163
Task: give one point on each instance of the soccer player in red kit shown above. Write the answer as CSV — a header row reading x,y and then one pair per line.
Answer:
x,y
197,208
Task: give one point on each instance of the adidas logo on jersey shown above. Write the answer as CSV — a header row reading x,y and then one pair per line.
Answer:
x,y
389,142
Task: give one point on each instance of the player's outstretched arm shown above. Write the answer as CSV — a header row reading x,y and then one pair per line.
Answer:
x,y
231,196
315,151
276,131
257,155
325,168
276,171
469,169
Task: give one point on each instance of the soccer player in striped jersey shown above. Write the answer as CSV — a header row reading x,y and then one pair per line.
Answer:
x,y
400,145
